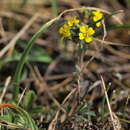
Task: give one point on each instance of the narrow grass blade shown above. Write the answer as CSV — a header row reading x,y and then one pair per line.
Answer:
x,y
24,56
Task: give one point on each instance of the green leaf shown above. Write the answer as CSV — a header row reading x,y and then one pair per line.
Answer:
x,y
6,118
38,54
31,122
14,57
29,99
80,118
36,110
90,113
84,107
124,120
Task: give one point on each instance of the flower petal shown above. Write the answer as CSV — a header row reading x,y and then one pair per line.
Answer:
x,y
81,36
65,31
97,15
76,21
90,31
98,24
70,23
88,39
83,29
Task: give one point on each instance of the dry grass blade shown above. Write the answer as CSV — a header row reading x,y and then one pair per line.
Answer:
x,y
2,32
110,43
22,96
115,122
5,88
117,52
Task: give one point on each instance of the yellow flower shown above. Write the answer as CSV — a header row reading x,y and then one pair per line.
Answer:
x,y
97,15
98,24
65,31
73,21
86,33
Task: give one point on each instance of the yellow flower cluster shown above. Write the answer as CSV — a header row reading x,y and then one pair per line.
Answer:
x,y
74,28
97,15
65,29
86,33
73,21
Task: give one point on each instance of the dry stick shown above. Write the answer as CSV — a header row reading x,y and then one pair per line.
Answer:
x,y
12,43
5,88
107,99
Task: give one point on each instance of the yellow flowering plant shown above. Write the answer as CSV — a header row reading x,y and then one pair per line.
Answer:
x,y
79,32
